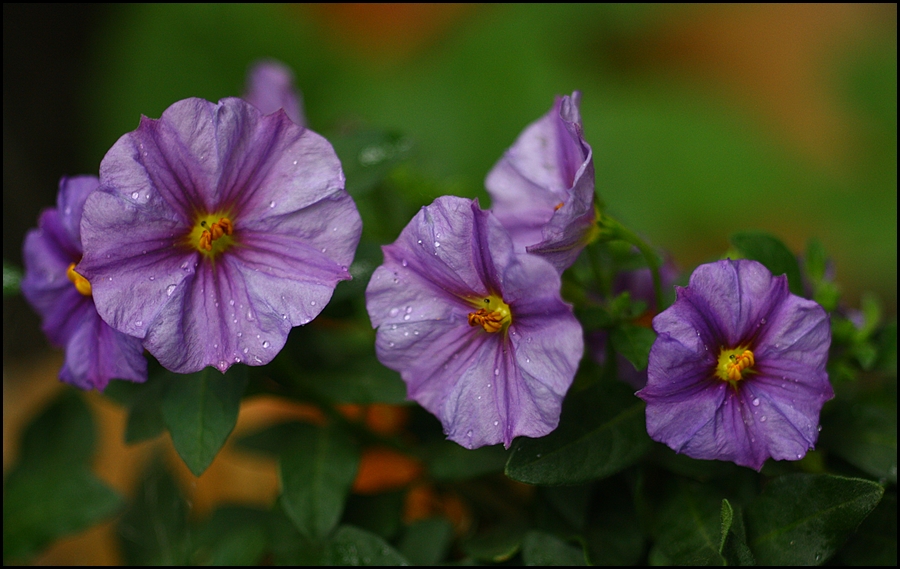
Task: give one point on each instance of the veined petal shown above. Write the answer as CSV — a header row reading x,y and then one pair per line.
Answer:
x,y
97,353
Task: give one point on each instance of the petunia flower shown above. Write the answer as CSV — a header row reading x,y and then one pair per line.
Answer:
x,y
214,231
95,352
542,190
270,86
479,334
738,370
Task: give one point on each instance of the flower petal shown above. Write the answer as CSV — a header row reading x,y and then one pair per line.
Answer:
x,y
97,353
270,86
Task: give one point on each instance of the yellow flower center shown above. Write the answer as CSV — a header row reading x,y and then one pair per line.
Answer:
x,y
735,364
212,234
82,285
493,314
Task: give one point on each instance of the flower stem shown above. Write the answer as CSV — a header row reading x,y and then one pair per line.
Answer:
x,y
613,230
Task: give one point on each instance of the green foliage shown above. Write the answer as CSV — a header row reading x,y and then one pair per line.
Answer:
x,y
771,252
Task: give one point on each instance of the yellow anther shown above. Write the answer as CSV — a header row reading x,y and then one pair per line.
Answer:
x,y
82,285
493,316
735,364
212,237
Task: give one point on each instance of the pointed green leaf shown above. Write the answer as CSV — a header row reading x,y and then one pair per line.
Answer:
x,y
43,504
733,544
316,474
233,535
200,410
633,342
497,544
803,519
771,252
601,431
353,546
449,461
540,549
12,276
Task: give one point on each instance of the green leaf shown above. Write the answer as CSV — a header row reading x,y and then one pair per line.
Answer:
x,y
496,544
540,549
601,431
803,519
815,262
353,546
875,542
449,461
43,504
62,435
368,156
200,411
380,514
688,528
315,475
633,342
733,545
233,535
426,542
12,276
154,529
145,416
772,253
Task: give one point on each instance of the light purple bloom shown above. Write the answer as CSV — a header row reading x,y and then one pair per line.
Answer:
x,y
479,334
215,230
270,86
95,352
738,370
542,190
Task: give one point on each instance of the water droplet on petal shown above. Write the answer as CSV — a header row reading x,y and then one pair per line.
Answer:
x,y
469,433
496,371
271,204
762,419
527,360
246,350
295,162
819,428
134,195
312,302
404,263
139,323
416,332
756,402
170,289
152,278
223,365
391,344
394,311
231,302
437,243
265,344
763,321
406,316
496,423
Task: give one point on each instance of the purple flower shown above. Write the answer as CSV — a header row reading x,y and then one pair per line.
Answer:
x,y
95,352
214,231
270,86
738,370
479,334
542,190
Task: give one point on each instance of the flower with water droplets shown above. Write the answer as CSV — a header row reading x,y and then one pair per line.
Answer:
x,y
479,333
95,352
738,370
188,199
542,190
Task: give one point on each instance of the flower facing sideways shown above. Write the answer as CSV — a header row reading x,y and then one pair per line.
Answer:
x,y
479,334
270,86
542,190
215,230
95,352
738,370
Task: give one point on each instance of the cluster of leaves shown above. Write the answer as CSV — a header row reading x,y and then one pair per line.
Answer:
x,y
597,490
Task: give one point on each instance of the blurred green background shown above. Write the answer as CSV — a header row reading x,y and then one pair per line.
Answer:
x,y
703,119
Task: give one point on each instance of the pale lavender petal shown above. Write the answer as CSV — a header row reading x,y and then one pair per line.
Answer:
x,y
97,353
270,86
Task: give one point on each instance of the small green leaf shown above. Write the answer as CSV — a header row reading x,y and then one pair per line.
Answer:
x,y
875,542
12,276
449,461
62,435
200,411
601,431
233,535
496,544
154,529
803,519
688,528
316,474
633,342
368,156
380,514
426,542
353,546
733,545
540,549
772,253
43,504
815,262
145,415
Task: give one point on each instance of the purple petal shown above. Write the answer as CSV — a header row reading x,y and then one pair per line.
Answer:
x,y
270,86
97,353
73,191
542,189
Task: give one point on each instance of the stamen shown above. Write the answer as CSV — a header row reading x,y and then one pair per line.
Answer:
x,y
557,206
213,232
494,316
82,285
734,364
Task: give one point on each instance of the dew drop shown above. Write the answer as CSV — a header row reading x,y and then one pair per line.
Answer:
x,y
538,455
234,321
134,195
819,428
496,423
295,162
237,360
391,344
489,386
396,280
222,365
479,397
272,204
496,371
231,302
393,326
139,323
249,314
406,316
756,402
170,289
152,278
404,263
419,241
762,419
333,229
469,433
527,360
246,350
437,243
408,309
265,344
763,321
217,304
528,339
406,333
257,360
184,265
312,302
415,332
324,249
394,311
